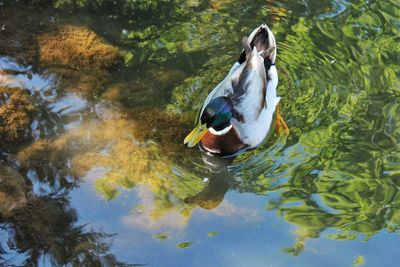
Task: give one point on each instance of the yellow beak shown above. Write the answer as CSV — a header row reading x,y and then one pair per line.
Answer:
x,y
195,135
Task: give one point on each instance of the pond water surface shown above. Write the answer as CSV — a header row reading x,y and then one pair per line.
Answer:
x,y
95,102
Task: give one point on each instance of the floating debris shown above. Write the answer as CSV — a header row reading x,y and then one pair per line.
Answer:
x,y
184,244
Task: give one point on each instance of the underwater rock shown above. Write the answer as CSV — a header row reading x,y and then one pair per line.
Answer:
x,y
16,112
12,190
77,47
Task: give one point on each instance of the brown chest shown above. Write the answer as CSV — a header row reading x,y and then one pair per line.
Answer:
x,y
222,145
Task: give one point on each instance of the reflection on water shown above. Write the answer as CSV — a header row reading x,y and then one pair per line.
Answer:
x,y
92,118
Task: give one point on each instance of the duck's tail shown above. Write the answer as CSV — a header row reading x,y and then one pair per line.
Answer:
x,y
263,39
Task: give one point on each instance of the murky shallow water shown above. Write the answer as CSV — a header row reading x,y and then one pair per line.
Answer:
x,y
97,172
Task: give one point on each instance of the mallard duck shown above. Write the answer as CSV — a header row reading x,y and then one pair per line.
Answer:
x,y
238,113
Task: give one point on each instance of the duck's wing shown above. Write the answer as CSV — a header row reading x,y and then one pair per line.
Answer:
x,y
249,98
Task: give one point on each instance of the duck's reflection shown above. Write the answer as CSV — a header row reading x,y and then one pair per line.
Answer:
x,y
212,195
217,184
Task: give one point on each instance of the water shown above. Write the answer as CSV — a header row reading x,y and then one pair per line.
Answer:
x,y
94,171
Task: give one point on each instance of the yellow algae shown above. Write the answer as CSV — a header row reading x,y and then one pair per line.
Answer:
x,y
16,111
79,56
108,189
82,163
77,47
34,151
113,93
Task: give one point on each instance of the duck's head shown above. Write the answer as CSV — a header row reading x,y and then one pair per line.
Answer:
x,y
216,117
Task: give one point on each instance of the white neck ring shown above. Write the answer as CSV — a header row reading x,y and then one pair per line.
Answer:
x,y
222,132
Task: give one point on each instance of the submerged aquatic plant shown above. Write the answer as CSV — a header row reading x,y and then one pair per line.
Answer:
x,y
16,113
